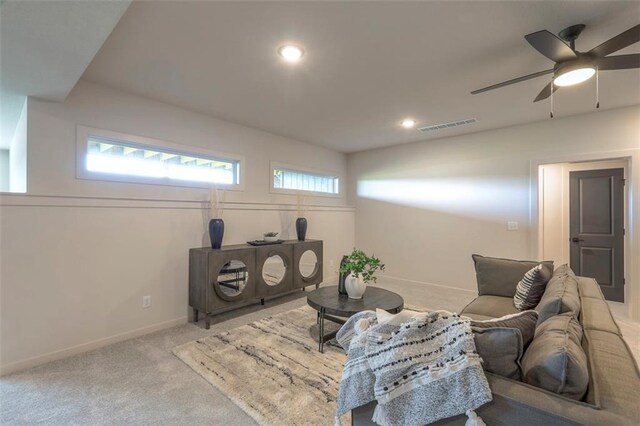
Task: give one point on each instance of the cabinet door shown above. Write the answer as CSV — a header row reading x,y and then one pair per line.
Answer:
x,y
307,263
233,277
274,270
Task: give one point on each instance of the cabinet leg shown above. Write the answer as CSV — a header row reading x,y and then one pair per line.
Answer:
x,y
195,315
317,286
207,321
303,289
262,302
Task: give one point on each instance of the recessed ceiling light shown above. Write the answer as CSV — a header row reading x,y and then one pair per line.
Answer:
x,y
408,123
291,53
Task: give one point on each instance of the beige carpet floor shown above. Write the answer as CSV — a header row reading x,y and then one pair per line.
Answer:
x,y
272,368
140,381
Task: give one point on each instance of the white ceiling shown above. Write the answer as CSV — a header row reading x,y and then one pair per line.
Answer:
x,y
45,46
367,65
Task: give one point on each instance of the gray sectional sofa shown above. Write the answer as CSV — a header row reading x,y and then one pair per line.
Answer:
x,y
613,393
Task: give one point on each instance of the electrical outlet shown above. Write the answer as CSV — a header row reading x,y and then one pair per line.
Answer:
x,y
512,226
146,301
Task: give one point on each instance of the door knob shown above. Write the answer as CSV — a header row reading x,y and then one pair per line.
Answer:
x,y
576,239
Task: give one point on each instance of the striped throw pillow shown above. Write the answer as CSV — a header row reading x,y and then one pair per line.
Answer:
x,y
531,288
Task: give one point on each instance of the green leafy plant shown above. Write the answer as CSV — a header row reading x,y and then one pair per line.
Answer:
x,y
271,234
359,264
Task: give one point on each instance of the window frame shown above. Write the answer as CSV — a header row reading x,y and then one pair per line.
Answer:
x,y
275,165
83,133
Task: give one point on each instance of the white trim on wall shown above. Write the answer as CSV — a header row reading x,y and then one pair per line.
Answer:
x,y
31,200
84,132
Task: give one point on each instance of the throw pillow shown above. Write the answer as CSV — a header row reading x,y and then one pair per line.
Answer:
x,y
502,341
555,360
499,277
524,321
564,269
501,350
531,287
560,296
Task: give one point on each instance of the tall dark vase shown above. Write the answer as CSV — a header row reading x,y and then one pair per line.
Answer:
x,y
342,277
216,232
301,228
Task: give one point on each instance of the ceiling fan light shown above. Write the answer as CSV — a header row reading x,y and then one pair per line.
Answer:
x,y
574,76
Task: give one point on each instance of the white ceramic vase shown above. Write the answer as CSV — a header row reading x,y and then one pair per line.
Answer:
x,y
355,286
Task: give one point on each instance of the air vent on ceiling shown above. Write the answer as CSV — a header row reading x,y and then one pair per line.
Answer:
x,y
448,125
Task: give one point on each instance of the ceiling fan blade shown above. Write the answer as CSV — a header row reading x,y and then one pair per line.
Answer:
x,y
550,46
622,40
620,62
512,81
545,92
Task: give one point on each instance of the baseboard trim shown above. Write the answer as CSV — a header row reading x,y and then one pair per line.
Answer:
x,y
464,290
16,366
35,361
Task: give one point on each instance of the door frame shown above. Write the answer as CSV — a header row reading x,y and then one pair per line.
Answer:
x,y
631,307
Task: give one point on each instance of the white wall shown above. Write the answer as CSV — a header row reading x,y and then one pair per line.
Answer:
x,y
551,211
425,207
18,155
4,170
78,255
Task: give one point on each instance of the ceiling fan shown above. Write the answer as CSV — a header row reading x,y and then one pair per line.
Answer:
x,y
573,67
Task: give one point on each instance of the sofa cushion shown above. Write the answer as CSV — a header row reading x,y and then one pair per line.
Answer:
x,y
477,316
596,315
500,349
555,360
490,306
523,321
531,287
615,381
499,277
590,288
560,296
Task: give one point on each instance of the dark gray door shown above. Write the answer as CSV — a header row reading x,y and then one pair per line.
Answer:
x,y
597,228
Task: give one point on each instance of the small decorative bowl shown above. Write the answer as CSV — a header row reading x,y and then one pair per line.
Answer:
x,y
271,239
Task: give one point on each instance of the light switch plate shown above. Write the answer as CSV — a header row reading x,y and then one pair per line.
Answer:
x,y
512,226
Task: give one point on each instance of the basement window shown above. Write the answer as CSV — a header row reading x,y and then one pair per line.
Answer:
x,y
123,158
290,180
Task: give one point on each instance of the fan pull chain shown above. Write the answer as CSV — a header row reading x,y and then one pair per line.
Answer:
x,y
551,112
597,88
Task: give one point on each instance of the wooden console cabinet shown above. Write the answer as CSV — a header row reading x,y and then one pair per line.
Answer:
x,y
239,275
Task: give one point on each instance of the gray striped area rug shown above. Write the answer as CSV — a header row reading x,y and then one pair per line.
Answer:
x,y
272,368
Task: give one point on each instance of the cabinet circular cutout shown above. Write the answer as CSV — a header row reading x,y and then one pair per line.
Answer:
x,y
273,270
308,264
232,278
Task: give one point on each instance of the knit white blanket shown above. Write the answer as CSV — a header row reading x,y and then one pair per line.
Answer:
x,y
418,372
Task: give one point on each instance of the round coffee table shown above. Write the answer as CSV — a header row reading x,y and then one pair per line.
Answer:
x,y
331,305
